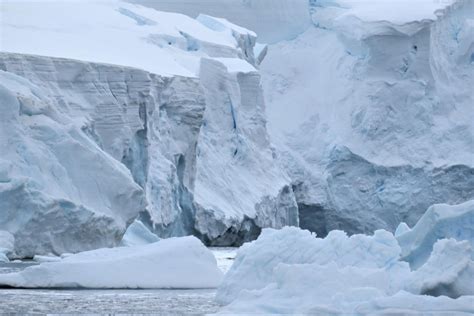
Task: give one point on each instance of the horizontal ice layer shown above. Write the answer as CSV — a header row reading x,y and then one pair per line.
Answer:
x,y
439,221
123,34
171,263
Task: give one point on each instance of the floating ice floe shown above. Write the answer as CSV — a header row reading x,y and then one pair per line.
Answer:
x,y
170,263
291,271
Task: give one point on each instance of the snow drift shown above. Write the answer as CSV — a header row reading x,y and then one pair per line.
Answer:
x,y
291,271
172,263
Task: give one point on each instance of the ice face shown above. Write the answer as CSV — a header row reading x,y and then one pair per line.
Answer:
x,y
50,196
363,115
368,103
184,131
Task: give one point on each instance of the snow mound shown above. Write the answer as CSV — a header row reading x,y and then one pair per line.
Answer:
x,y
290,272
171,263
440,221
124,34
138,234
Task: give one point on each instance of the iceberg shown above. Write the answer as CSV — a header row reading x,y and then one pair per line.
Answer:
x,y
291,271
439,221
170,263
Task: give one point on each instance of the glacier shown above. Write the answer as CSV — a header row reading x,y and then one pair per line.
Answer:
x,y
395,135
369,103
212,129
290,271
175,126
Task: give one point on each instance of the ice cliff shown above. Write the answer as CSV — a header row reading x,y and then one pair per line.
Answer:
x,y
151,115
369,104
373,110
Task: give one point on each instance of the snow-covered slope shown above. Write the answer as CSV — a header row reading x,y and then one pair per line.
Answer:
x,y
272,20
90,146
117,32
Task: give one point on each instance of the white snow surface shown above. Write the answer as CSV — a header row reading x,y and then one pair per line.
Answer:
x,y
439,221
170,263
116,32
290,271
272,20
396,12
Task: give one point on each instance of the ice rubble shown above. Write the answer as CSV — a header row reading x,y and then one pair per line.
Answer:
x,y
187,154
290,271
170,263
